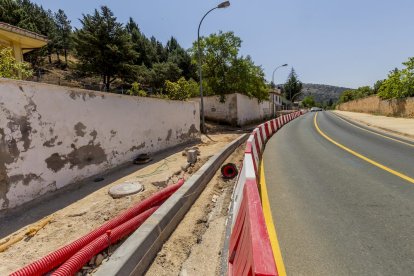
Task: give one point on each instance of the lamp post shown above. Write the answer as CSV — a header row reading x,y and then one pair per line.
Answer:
x,y
273,82
273,75
219,6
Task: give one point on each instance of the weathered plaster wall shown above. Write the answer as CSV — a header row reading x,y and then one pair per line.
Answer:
x,y
51,136
374,105
237,109
214,110
250,110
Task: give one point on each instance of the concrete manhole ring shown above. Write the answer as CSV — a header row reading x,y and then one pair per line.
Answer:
x,y
126,188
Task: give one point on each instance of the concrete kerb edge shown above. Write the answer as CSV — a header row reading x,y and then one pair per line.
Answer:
x,y
135,255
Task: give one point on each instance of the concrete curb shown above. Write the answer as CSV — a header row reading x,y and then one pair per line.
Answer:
x,y
135,255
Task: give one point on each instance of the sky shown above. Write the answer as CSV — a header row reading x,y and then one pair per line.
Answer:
x,y
348,43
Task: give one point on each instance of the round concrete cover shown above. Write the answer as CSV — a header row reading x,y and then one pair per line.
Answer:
x,y
124,189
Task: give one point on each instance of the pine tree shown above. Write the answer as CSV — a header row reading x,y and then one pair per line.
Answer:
x,y
104,47
292,86
64,32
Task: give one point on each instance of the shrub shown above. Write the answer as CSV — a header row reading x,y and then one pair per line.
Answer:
x,y
181,89
12,69
136,90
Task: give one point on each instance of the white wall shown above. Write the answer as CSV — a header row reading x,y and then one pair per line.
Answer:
x,y
51,136
237,109
214,110
249,110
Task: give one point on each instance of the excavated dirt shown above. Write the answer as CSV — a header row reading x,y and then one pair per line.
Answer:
x,y
195,247
88,212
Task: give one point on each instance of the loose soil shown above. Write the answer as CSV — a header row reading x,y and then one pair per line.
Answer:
x,y
195,247
79,217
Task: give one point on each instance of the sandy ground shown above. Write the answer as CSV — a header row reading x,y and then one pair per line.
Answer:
x,y
76,212
401,126
195,247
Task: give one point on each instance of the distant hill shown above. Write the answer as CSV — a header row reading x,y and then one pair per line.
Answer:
x,y
322,92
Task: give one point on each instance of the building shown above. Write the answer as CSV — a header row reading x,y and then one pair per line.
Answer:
x,y
20,40
275,97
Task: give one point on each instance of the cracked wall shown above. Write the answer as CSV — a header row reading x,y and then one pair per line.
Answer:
x,y
51,136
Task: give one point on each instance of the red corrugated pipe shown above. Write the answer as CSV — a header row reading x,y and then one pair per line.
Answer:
x,y
59,256
71,266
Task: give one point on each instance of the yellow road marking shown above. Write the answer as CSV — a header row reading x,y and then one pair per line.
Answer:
x,y
385,168
367,130
270,225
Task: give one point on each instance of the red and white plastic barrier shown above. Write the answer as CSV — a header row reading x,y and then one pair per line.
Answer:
x,y
250,251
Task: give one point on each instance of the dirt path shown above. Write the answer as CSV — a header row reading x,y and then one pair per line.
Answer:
x,y
195,247
90,211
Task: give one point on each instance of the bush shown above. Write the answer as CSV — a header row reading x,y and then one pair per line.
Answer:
x,y
12,69
136,90
181,89
360,92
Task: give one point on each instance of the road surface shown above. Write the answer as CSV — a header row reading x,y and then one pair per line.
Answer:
x,y
342,198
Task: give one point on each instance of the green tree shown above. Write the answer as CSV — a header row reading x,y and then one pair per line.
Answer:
x,y
182,89
247,78
292,86
377,86
179,56
147,53
400,83
63,33
103,46
10,68
164,71
346,96
224,72
218,52
308,101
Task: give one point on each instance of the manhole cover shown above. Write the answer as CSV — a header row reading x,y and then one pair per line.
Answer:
x,y
124,189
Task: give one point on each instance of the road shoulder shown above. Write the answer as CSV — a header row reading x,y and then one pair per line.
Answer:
x,y
403,127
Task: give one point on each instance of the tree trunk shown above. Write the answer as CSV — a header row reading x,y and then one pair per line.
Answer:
x,y
106,82
66,57
57,53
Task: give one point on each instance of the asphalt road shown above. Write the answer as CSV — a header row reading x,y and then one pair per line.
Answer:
x,y
335,213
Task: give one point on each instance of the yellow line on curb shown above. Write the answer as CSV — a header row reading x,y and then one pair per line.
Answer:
x,y
270,225
385,168
373,132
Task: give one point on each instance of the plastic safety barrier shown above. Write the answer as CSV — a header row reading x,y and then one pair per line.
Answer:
x,y
250,251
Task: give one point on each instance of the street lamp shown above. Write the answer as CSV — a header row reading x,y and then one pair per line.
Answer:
x,y
219,6
273,75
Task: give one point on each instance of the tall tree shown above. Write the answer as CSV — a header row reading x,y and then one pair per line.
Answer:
x,y
292,86
218,52
179,56
147,52
64,32
224,72
104,47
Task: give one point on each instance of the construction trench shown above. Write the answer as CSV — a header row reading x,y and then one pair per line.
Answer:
x,y
46,227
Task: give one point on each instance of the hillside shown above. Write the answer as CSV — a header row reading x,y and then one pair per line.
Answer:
x,y
322,92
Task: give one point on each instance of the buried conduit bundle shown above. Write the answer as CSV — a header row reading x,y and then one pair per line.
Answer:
x,y
59,256
71,266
